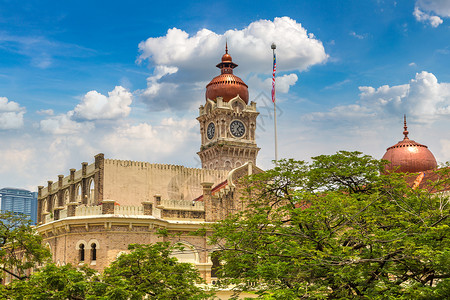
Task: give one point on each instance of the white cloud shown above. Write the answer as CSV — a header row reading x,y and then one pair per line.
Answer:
x,y
62,144
95,106
282,83
15,158
421,16
445,149
144,140
11,114
423,98
180,76
11,120
440,7
431,10
64,124
8,106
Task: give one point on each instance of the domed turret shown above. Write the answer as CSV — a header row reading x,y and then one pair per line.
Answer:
x,y
408,156
227,85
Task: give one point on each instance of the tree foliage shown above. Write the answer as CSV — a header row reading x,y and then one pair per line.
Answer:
x,y
147,272
337,228
150,270
20,246
57,283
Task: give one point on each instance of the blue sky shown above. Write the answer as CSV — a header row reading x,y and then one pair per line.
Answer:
x,y
126,78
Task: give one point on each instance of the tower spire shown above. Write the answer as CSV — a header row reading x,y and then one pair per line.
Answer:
x,y
405,127
226,46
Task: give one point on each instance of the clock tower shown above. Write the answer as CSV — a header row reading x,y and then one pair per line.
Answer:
x,y
227,121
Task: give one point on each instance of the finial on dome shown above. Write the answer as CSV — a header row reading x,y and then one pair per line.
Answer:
x,y
405,131
226,58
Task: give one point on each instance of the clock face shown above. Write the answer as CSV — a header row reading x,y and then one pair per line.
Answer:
x,y
237,128
210,131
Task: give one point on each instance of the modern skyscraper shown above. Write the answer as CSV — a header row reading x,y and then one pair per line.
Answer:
x,y
19,201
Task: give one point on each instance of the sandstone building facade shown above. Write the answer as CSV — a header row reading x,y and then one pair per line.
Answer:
x,y
93,214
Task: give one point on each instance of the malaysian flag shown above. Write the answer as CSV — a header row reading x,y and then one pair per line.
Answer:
x,y
273,76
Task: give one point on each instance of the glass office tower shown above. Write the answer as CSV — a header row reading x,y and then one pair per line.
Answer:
x,y
19,201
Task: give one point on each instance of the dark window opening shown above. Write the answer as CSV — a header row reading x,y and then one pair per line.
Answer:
x,y
93,252
82,252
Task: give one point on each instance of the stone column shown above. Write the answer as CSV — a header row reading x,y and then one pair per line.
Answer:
x,y
49,196
108,207
99,175
60,194
148,208
39,208
157,199
84,183
207,200
72,186
71,206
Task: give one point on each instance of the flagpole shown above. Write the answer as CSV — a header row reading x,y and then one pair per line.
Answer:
x,y
274,106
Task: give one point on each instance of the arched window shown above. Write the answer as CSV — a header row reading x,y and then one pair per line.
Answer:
x,y
78,193
93,252
44,206
81,253
91,191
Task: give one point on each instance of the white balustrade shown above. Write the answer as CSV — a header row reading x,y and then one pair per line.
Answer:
x,y
48,218
88,210
129,210
63,214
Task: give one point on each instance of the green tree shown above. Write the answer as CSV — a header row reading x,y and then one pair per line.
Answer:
x,y
57,283
337,228
20,246
149,270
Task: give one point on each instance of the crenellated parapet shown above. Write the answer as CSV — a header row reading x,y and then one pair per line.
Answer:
x,y
77,188
168,189
163,209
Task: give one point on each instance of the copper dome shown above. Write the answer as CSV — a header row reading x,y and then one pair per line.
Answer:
x,y
408,156
227,85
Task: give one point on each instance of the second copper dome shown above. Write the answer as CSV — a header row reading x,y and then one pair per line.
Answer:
x,y
408,156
